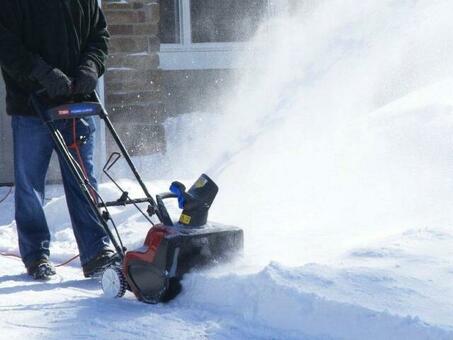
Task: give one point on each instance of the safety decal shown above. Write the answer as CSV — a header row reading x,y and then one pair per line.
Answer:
x,y
185,219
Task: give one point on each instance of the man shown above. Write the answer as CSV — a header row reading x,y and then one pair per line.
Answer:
x,y
59,46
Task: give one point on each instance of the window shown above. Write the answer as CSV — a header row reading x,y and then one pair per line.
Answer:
x,y
169,25
225,21
197,34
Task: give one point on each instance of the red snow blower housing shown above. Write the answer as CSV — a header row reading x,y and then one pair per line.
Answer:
x,y
154,271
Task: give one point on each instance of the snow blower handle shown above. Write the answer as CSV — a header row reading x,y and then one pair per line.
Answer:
x,y
77,106
178,191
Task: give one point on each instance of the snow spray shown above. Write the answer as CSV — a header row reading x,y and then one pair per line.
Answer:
x,y
339,130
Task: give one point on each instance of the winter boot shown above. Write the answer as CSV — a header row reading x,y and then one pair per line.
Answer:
x,y
96,266
41,269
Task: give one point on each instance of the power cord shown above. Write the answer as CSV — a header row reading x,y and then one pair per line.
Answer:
x,y
10,185
57,265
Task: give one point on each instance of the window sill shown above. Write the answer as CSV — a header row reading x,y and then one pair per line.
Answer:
x,y
201,56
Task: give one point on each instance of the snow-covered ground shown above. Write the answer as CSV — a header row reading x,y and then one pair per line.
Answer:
x,y
335,154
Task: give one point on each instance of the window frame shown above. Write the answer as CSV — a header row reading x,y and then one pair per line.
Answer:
x,y
211,55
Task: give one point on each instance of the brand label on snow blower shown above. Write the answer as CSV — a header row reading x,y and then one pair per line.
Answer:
x,y
185,219
78,110
82,110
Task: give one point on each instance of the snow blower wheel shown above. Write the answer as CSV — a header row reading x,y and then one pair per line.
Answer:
x,y
113,282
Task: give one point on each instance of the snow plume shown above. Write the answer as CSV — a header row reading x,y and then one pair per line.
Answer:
x,y
337,130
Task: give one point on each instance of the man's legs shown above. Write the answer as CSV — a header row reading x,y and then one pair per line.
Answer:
x,y
91,237
32,151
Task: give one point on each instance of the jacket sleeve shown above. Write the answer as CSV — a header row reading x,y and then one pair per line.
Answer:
x,y
15,59
96,49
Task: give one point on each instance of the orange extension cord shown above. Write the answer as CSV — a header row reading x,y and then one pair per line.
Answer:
x,y
57,265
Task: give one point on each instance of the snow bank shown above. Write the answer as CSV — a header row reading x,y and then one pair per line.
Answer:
x,y
273,298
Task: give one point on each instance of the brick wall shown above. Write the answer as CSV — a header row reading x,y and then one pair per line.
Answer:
x,y
132,80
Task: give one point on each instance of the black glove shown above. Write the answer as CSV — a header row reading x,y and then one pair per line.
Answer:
x,y
54,81
86,79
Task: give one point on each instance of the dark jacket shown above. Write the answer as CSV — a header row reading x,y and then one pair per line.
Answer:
x,y
64,33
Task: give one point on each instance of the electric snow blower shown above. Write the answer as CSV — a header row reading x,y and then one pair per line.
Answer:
x,y
154,271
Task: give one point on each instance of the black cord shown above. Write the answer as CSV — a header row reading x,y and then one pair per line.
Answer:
x,y
7,194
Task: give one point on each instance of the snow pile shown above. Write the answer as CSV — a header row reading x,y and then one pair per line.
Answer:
x,y
273,298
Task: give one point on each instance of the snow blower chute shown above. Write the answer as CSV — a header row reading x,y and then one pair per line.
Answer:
x,y
154,271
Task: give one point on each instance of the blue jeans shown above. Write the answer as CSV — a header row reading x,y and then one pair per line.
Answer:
x,y
33,146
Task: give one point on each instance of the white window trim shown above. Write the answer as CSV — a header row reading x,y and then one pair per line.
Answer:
x,y
192,56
